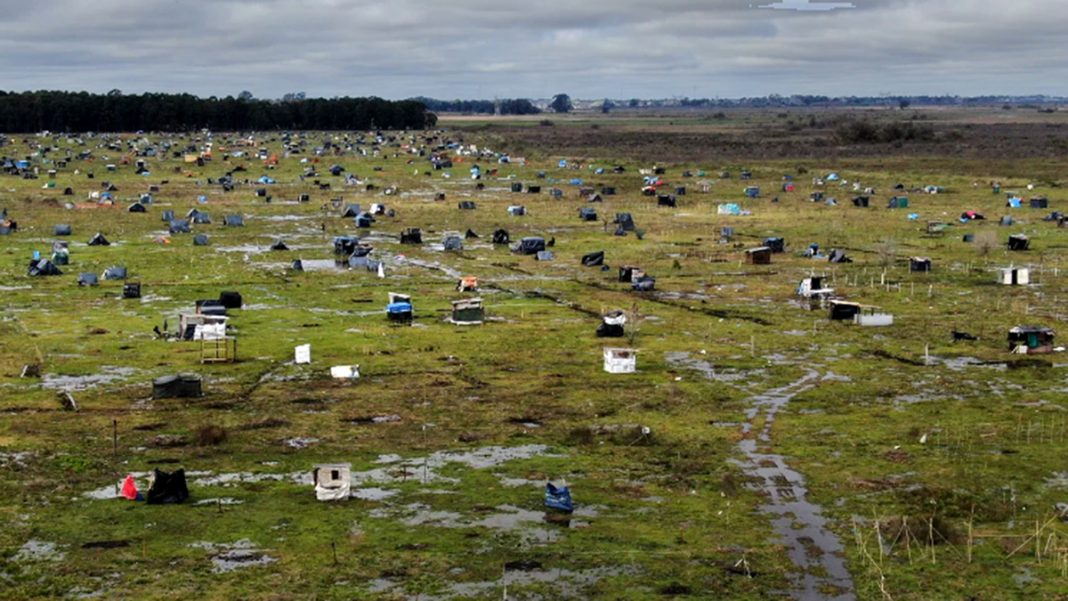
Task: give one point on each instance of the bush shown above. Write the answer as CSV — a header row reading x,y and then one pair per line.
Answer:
x,y
211,436
866,132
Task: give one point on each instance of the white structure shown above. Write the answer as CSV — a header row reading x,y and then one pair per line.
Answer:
x,y
620,360
813,288
868,317
333,481
302,354
1014,276
345,372
205,327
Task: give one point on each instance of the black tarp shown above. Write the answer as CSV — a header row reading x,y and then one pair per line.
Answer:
x,y
167,488
181,386
43,267
230,299
593,259
412,235
501,237
530,245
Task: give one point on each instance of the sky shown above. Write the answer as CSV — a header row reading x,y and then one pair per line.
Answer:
x,y
505,49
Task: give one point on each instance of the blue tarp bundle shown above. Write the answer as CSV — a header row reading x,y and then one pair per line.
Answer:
x,y
559,498
266,180
399,308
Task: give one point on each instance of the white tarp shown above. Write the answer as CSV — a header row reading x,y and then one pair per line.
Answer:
x,y
302,354
345,371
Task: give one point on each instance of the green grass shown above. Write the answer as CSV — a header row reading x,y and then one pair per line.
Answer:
x,y
672,512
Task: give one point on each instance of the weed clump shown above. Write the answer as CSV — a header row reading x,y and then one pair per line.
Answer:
x,y
209,436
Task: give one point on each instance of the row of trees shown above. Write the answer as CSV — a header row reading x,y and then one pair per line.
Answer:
x,y
115,111
507,106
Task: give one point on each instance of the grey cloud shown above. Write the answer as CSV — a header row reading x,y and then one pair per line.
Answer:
x,y
485,48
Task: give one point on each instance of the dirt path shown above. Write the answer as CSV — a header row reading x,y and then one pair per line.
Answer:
x,y
800,524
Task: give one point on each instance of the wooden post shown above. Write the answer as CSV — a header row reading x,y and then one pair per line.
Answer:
x,y
115,438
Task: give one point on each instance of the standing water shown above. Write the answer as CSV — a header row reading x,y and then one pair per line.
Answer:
x,y
799,523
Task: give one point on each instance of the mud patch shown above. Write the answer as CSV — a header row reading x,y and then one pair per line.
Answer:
x,y
108,375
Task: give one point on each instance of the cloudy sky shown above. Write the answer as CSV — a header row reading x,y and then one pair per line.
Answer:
x,y
502,48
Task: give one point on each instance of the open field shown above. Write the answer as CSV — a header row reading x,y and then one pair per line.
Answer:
x,y
760,451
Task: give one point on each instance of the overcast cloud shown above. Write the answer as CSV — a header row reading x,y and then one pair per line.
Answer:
x,y
488,48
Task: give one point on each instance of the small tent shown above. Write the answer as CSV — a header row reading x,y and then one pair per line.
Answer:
x,y
167,488
620,360
98,239
593,259
62,229
233,221
43,267
87,279
531,245
612,325
180,386
412,235
587,214
115,272
333,481
468,311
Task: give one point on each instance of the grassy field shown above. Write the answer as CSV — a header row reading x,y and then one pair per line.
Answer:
x,y
775,436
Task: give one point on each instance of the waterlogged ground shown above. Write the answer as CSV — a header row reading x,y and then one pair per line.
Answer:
x,y
760,451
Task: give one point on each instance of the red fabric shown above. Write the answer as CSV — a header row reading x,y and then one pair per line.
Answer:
x,y
129,488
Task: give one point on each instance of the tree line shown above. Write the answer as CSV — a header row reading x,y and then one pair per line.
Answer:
x,y
115,112
506,106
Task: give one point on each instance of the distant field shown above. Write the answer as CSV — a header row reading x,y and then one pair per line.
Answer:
x,y
761,450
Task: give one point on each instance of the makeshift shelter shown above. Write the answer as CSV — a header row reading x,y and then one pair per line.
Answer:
x,y
351,210
209,325
468,283
898,202
452,242
233,221
333,481
630,273
466,205
777,245
558,498
758,256
752,191
919,264
60,254
844,310
62,229
469,234
500,236
625,221
812,287
167,488
1039,202
870,317
98,239
364,220
838,255
167,216
87,279
180,386
1006,220
115,272
412,235
729,208
587,214
517,187
666,200
179,226
612,325
861,201
279,244
345,245
1019,242
644,283
593,259
468,311
1031,340
201,240
620,360
399,307
199,217
517,210
1014,276
545,255
230,299
131,290
43,267
530,245
137,207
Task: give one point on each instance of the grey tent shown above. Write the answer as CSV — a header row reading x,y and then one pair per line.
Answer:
x,y
838,255
545,255
177,387
777,245
179,226
364,220
351,210
201,240
466,205
625,221
593,259
345,245
452,242
645,283
530,245
587,214
234,220
517,210
168,215
115,272
199,216
62,229
87,279
98,239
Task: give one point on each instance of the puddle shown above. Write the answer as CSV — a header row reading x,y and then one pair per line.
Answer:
x,y
962,363
234,556
219,501
685,360
107,375
565,583
250,249
39,550
449,271
373,494
811,545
